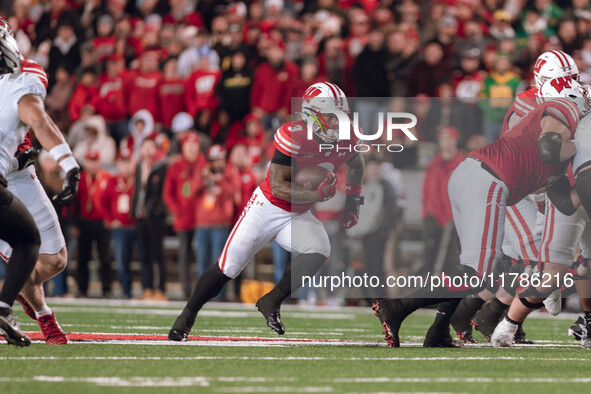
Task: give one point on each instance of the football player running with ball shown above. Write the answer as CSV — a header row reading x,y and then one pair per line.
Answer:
x,y
279,208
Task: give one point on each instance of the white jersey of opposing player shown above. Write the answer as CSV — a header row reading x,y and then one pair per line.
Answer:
x,y
12,131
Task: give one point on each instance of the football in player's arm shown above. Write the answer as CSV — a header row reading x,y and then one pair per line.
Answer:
x,y
281,172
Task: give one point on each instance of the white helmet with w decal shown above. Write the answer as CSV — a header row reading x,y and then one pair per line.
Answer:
x,y
568,88
554,64
323,98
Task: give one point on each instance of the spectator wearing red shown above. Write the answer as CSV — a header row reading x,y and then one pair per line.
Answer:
x,y
83,94
437,213
141,126
308,76
251,136
468,80
270,87
171,93
181,12
218,194
200,87
110,101
116,204
182,180
104,42
241,164
90,223
141,88
197,43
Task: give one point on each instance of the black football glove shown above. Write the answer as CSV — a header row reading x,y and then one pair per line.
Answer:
x,y
351,215
559,194
70,187
26,158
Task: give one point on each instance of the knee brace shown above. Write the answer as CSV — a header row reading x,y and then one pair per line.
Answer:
x,y
531,291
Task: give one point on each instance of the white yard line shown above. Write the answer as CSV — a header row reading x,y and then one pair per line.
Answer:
x,y
461,380
141,381
276,389
287,358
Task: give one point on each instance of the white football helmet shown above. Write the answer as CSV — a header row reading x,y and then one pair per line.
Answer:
x,y
323,98
568,88
554,64
10,55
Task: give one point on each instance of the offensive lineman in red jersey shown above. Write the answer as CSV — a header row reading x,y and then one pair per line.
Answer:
x,y
280,208
501,174
520,229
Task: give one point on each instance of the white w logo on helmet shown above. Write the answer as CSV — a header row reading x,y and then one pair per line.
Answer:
x,y
554,64
323,98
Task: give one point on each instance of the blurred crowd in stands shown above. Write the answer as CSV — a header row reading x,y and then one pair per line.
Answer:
x,y
170,106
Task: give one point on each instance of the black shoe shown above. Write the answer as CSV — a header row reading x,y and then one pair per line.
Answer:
x,y
466,336
520,337
177,335
485,322
460,320
182,326
10,329
576,330
271,314
440,337
391,314
586,338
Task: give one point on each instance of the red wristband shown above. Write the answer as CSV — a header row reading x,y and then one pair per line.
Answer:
x,y
353,189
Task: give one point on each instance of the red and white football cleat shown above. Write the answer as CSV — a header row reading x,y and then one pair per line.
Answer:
x,y
27,308
53,333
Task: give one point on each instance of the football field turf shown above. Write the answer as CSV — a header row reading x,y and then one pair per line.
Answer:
x,y
118,347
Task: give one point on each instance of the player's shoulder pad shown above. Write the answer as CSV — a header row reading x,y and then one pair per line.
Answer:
x,y
290,137
564,110
32,67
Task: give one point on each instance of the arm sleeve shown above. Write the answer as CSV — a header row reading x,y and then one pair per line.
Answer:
x,y
281,158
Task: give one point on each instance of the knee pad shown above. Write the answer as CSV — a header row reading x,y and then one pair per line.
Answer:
x,y
531,305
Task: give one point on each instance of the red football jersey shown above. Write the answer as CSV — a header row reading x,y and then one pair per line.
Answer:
x,y
291,139
515,157
524,103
